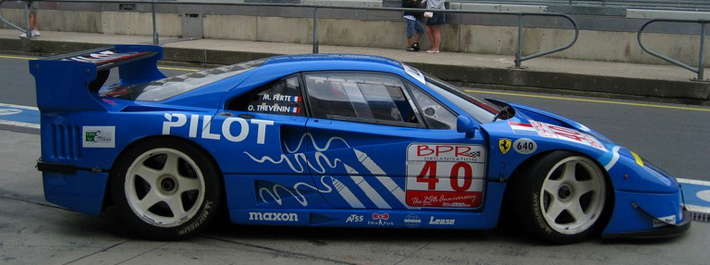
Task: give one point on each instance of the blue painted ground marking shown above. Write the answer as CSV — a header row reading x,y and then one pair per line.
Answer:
x,y
16,115
696,194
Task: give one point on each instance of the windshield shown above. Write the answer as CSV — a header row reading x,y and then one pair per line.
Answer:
x,y
165,88
481,110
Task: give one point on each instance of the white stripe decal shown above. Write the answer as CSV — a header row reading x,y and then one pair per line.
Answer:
x,y
369,191
614,158
347,195
384,179
396,191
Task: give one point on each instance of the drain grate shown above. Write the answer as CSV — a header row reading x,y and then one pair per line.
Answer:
x,y
700,217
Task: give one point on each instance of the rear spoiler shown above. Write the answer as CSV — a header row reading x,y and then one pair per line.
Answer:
x,y
66,82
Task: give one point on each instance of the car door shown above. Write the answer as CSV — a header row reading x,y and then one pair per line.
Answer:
x,y
261,152
372,148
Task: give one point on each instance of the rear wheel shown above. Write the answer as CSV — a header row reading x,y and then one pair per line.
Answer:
x,y
166,189
563,197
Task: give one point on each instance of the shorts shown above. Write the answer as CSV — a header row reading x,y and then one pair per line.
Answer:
x,y
439,18
33,6
413,25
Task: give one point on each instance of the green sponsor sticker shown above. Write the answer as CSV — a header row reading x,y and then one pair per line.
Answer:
x,y
90,136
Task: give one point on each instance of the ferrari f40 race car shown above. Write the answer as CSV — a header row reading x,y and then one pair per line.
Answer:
x,y
329,140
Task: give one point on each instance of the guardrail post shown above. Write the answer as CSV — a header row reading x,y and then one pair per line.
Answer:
x,y
156,41
701,60
700,70
315,30
27,23
519,53
28,31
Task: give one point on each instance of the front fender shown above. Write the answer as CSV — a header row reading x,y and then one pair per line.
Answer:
x,y
647,201
629,172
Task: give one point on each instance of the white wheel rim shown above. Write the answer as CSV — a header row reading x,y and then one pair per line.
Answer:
x,y
573,195
166,195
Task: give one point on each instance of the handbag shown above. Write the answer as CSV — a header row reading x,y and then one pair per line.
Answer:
x,y
429,14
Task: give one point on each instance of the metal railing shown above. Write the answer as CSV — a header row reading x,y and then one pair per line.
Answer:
x,y
690,5
519,58
28,30
700,70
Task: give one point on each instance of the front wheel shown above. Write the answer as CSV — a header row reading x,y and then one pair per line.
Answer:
x,y
563,198
166,189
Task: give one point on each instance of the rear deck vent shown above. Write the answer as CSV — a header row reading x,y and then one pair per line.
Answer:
x,y
65,142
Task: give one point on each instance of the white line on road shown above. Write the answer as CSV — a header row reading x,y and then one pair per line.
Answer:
x,y
693,181
18,106
20,124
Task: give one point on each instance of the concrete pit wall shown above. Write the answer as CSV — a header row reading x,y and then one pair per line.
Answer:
x,y
379,29
134,23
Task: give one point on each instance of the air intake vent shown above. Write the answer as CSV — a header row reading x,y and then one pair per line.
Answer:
x,y
66,140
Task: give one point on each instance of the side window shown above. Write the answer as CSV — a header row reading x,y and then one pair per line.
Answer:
x,y
280,97
363,97
435,115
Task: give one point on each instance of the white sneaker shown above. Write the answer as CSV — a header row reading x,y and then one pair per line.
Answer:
x,y
35,33
23,36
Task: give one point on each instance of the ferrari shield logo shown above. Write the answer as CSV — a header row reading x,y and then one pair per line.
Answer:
x,y
504,145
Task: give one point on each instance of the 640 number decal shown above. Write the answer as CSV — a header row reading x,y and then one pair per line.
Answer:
x,y
444,175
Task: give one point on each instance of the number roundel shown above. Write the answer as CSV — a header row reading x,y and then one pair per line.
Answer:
x,y
525,146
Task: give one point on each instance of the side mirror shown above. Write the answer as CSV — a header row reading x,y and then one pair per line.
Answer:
x,y
466,125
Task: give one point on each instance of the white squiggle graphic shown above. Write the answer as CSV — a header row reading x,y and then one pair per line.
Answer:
x,y
283,158
274,192
318,155
315,145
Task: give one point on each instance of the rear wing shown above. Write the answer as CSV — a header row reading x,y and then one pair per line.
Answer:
x,y
66,82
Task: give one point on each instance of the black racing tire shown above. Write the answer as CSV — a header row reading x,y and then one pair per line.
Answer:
x,y
166,189
562,197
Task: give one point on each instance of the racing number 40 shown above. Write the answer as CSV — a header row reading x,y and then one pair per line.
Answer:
x,y
428,175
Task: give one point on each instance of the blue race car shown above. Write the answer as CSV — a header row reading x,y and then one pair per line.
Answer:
x,y
329,140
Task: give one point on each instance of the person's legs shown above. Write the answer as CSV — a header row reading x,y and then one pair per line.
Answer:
x,y
411,25
33,22
410,32
435,37
432,29
429,33
436,30
32,17
420,30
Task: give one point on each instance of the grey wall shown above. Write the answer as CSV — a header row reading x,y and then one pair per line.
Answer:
x,y
602,38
